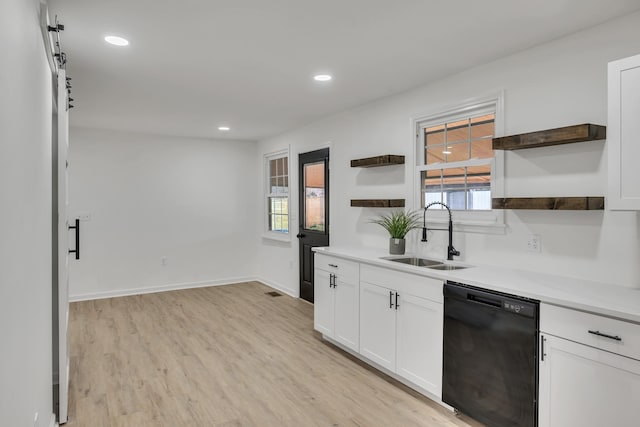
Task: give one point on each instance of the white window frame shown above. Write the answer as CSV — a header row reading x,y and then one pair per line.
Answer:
x,y
464,220
267,233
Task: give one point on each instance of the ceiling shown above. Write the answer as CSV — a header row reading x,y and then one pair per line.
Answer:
x,y
194,65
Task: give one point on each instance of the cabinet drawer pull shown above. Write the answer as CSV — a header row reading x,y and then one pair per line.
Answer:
x,y
333,265
600,334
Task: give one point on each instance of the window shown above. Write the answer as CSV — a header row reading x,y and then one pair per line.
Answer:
x,y
277,194
465,186
456,162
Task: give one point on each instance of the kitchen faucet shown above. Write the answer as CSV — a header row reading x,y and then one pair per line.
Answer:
x,y
451,251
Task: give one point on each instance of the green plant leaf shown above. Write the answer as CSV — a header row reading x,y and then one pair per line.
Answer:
x,y
399,223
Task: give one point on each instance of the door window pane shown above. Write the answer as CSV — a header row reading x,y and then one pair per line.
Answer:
x,y
314,214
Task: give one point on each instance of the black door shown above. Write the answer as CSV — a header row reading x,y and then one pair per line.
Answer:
x,y
313,173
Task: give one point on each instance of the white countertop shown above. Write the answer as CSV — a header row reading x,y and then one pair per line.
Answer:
x,y
594,297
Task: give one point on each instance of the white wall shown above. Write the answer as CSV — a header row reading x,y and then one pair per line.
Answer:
x,y
557,84
25,218
189,200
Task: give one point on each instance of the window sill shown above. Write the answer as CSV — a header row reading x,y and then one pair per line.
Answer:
x,y
280,237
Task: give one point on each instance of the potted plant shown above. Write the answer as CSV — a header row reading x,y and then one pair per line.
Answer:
x,y
398,224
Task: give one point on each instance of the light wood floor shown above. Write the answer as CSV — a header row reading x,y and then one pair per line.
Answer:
x,y
224,356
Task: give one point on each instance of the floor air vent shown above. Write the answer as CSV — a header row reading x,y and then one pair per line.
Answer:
x,y
274,294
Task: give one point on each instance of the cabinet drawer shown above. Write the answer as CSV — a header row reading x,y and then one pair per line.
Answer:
x,y
575,326
413,284
347,271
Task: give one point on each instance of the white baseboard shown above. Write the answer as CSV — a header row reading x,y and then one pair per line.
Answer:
x,y
161,288
279,287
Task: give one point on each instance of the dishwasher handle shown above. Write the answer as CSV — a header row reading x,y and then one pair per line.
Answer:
x,y
484,300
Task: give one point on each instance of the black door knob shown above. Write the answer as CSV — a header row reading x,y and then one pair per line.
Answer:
x,y
300,235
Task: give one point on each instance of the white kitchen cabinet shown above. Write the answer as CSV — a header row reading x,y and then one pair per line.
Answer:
x,y
583,386
347,321
400,331
623,134
589,369
336,300
323,303
419,342
378,325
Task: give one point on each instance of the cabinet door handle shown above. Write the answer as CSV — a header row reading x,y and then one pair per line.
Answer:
x,y
77,228
611,337
397,305
542,353
335,282
333,265
390,299
331,276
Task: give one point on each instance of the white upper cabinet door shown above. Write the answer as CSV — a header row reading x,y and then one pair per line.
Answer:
x,y
378,325
347,316
323,306
419,342
623,134
583,386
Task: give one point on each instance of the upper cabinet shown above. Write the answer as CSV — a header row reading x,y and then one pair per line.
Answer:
x,y
624,134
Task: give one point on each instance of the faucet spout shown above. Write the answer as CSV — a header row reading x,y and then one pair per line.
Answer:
x,y
451,251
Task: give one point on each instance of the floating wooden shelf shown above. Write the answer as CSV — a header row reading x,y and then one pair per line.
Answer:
x,y
372,162
544,138
377,203
550,203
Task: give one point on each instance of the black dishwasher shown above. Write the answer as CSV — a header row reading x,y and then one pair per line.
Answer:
x,y
490,366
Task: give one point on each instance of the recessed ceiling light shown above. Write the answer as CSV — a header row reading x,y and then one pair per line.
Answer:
x,y
117,41
224,128
322,77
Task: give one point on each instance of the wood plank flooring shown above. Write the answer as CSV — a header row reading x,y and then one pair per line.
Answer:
x,y
225,356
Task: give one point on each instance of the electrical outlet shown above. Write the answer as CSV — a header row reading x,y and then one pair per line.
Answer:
x,y
534,243
164,261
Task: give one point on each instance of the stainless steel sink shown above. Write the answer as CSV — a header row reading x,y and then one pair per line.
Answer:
x,y
418,262
447,267
425,262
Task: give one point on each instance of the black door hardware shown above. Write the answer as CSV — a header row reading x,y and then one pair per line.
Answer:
x,y
600,334
77,249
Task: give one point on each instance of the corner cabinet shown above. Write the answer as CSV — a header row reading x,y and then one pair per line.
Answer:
x,y
589,369
623,139
336,300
